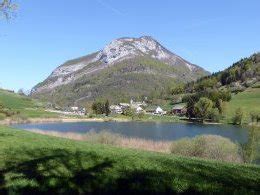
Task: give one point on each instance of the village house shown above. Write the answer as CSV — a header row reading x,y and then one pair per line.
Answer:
x,y
124,106
74,108
78,111
119,109
179,110
116,109
159,111
139,109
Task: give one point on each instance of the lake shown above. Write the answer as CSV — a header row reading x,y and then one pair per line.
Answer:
x,y
146,130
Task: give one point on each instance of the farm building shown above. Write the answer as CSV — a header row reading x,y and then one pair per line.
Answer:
x,y
179,109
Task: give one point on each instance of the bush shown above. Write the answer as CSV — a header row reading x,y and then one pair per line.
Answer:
x,y
2,116
129,112
237,119
214,115
140,115
208,147
255,117
91,116
19,117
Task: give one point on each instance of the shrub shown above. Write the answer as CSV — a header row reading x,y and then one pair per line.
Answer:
x,y
19,117
140,115
250,149
214,115
129,112
255,117
208,147
237,119
91,116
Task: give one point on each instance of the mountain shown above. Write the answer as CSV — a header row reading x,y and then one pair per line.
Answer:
x,y
126,67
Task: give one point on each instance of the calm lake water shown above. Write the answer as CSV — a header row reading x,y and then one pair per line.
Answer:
x,y
146,130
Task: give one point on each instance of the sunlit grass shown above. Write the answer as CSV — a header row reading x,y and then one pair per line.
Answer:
x,y
31,163
249,101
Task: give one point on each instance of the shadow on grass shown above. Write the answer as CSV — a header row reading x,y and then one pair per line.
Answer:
x,y
2,135
65,172
55,171
58,171
216,177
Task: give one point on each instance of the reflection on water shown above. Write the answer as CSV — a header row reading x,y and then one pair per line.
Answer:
x,y
147,130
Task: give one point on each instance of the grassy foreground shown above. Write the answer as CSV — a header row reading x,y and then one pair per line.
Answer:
x,y
32,163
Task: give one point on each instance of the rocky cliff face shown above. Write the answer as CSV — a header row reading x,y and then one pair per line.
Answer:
x,y
138,55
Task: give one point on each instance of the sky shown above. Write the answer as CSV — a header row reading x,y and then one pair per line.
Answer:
x,y
44,34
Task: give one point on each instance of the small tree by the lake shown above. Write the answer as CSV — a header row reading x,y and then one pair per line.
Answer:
x,y
106,107
129,112
101,107
203,108
250,149
237,119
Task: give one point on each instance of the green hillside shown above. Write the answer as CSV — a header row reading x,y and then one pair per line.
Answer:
x,y
130,78
241,75
43,164
225,91
23,105
248,100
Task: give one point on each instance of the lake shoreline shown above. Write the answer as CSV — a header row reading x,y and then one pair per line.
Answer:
x,y
113,119
60,120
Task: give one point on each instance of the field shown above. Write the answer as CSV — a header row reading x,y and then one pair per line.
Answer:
x,y
249,101
27,107
43,164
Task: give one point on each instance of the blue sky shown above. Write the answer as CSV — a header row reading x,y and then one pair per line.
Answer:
x,y
211,34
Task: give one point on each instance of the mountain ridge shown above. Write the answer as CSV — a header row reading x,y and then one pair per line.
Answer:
x,y
139,55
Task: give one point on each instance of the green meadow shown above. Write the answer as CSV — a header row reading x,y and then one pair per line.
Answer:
x,y
26,106
248,100
32,163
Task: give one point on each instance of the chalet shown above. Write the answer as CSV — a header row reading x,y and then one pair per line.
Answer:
x,y
179,109
139,109
159,111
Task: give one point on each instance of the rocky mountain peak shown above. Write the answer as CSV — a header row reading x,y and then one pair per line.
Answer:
x,y
123,48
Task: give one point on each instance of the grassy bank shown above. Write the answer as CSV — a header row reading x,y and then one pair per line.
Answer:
x,y
25,106
248,100
144,118
38,163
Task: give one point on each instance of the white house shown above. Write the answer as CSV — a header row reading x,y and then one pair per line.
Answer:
x,y
159,111
116,109
139,109
74,108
